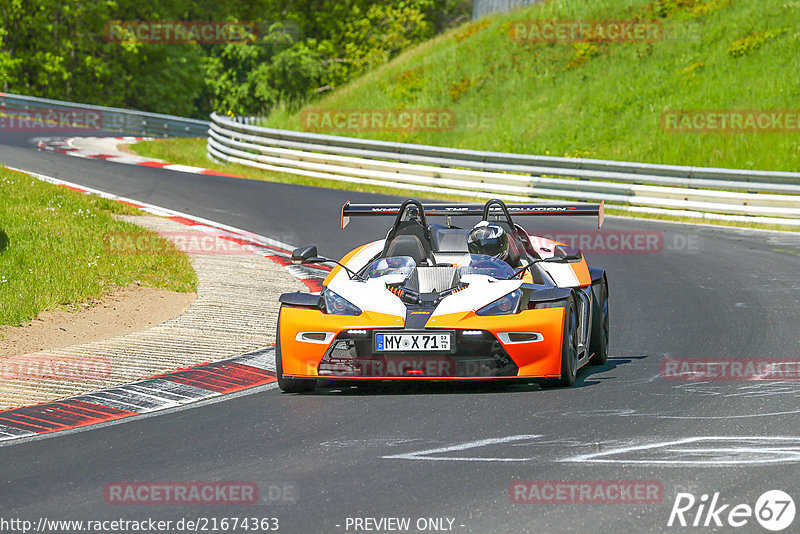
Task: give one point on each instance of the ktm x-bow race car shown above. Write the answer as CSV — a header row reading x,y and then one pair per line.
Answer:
x,y
420,305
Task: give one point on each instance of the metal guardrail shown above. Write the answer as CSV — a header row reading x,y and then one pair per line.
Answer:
x,y
761,196
482,8
115,120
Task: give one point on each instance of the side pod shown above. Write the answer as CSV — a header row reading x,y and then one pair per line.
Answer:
x,y
596,274
549,298
301,300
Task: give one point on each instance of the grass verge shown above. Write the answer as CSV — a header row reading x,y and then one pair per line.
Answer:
x,y
53,254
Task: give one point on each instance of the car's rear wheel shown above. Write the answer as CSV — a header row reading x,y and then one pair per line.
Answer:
x,y
598,345
289,385
569,347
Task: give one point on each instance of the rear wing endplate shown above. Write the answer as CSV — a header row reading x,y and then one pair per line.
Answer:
x,y
365,210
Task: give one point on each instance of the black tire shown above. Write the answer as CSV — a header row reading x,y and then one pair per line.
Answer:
x,y
598,345
289,385
569,348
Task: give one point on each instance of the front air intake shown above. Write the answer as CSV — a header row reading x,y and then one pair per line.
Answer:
x,y
433,279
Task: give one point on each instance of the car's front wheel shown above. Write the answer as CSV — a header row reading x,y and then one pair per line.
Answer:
x,y
569,347
598,345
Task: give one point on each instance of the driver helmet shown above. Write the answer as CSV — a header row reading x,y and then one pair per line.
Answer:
x,y
490,239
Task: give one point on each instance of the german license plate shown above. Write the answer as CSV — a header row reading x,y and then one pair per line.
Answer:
x,y
429,342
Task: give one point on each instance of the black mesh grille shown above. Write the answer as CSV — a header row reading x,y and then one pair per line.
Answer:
x,y
435,279
581,311
432,279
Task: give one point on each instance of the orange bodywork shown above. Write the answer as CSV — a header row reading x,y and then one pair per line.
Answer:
x,y
535,360
539,359
300,358
581,270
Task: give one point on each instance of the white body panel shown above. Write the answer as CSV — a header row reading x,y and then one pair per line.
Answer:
x,y
371,295
563,274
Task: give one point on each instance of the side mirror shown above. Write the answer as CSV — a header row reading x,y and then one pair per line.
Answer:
x,y
566,254
304,255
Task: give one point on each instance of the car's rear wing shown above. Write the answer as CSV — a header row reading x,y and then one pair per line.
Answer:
x,y
363,210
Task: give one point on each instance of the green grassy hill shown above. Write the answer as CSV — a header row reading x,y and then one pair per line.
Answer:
x,y
596,99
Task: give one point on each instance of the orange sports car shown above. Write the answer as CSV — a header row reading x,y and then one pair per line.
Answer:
x,y
439,302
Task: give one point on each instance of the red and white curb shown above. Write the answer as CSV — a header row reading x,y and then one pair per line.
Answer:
x,y
67,145
151,395
171,389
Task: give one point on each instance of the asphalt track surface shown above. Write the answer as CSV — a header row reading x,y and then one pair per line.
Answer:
x,y
414,450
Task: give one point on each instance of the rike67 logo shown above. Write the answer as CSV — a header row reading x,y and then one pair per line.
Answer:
x,y
774,510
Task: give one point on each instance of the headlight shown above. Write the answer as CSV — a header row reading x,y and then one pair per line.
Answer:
x,y
508,305
337,305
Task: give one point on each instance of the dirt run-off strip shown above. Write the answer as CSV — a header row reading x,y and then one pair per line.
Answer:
x,y
235,312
